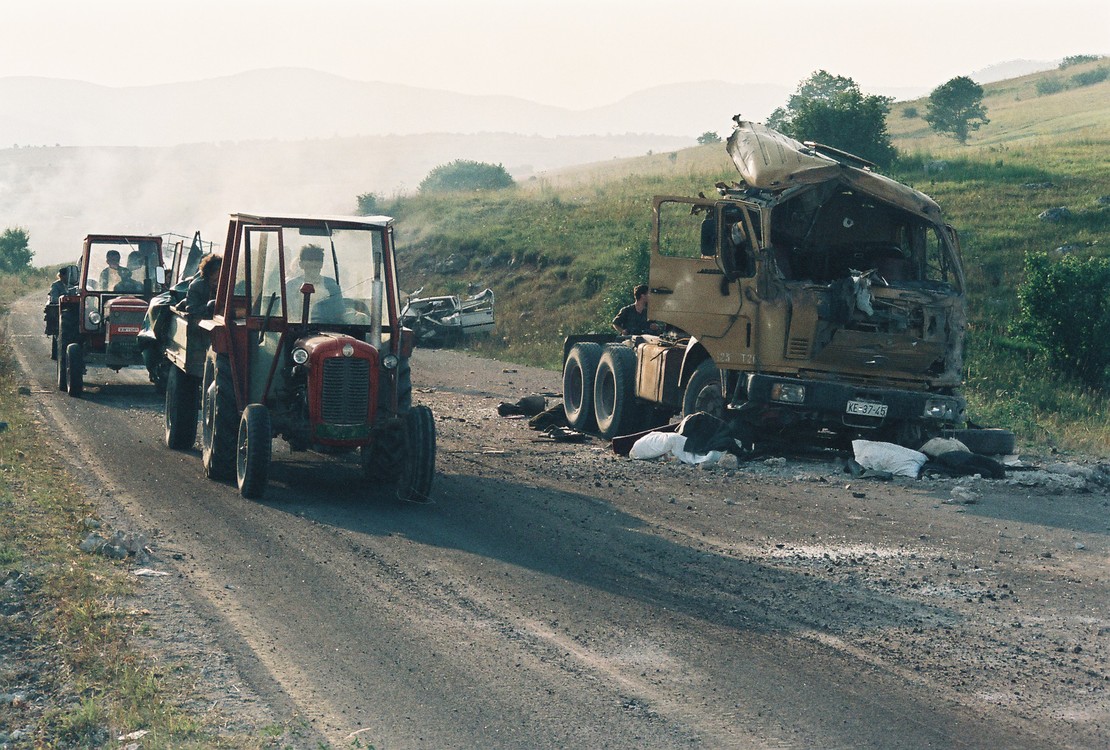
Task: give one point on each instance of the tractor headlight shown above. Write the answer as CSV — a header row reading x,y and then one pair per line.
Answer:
x,y
390,361
94,319
300,356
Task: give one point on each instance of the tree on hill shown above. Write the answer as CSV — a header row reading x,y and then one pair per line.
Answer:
x,y
708,137
368,204
462,174
832,110
956,108
15,251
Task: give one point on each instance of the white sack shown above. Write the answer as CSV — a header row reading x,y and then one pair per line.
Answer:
x,y
656,444
902,462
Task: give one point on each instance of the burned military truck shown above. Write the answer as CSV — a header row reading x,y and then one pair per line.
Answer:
x,y
813,295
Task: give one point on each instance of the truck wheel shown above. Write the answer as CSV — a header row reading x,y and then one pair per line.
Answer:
x,y
703,391
420,455
75,370
578,384
986,442
252,458
219,419
615,393
181,410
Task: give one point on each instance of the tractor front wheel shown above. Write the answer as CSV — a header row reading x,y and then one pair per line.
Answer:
x,y
420,455
75,370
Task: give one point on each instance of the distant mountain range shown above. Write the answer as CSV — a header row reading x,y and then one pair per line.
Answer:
x,y
293,104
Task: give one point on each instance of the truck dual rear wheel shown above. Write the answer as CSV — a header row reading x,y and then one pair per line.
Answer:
x,y
578,384
420,455
220,421
75,370
181,409
703,391
615,392
252,457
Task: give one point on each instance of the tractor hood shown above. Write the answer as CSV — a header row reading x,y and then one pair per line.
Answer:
x,y
769,160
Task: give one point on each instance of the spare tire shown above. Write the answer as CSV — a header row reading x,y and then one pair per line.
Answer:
x,y
986,442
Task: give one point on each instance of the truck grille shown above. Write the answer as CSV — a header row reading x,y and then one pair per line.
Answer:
x,y
346,390
797,348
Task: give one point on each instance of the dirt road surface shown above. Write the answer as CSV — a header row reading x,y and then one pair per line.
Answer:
x,y
558,596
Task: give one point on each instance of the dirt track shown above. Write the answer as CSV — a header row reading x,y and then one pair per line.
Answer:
x,y
556,595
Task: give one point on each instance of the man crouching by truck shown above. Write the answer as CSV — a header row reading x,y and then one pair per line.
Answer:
x,y
632,320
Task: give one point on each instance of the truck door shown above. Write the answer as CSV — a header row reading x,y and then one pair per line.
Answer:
x,y
694,266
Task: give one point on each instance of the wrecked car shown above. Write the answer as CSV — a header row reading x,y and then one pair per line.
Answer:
x,y
447,320
813,295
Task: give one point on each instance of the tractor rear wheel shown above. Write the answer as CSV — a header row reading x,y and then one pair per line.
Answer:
x,y
181,409
220,421
252,458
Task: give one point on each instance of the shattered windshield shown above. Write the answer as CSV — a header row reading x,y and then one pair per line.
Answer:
x,y
825,234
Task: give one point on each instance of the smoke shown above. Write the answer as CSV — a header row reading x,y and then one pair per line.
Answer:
x,y
61,194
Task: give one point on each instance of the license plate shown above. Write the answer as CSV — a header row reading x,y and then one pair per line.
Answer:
x,y
867,408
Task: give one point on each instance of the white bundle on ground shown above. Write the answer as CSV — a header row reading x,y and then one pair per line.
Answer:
x,y
656,444
899,461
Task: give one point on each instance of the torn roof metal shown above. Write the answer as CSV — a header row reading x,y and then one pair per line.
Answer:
x,y
769,160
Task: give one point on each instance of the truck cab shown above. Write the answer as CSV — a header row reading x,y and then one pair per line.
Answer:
x,y
813,294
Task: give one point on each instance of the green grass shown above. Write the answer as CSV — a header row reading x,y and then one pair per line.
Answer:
x,y
559,250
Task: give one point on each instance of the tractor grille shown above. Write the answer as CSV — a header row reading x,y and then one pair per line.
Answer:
x,y
346,390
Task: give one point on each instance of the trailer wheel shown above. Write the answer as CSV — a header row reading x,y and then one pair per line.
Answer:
x,y
75,370
220,423
54,347
420,455
614,392
181,409
252,458
63,379
578,384
703,391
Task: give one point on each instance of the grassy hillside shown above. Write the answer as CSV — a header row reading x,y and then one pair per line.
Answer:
x,y
562,250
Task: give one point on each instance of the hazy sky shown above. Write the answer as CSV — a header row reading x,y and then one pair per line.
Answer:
x,y
572,53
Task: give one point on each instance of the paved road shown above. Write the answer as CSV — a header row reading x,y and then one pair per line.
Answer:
x,y
550,596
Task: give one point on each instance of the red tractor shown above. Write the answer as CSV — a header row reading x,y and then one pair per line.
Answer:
x,y
98,319
304,343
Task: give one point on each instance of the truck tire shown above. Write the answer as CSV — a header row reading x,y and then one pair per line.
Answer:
x,y
75,370
578,384
181,409
615,392
254,449
703,391
220,423
986,442
420,455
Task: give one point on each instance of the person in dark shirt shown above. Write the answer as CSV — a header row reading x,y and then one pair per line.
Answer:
x,y
202,289
632,320
59,287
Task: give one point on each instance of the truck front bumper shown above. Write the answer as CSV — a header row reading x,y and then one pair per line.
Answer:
x,y
789,400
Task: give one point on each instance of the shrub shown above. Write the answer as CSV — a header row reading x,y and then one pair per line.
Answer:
x,y
1065,309
462,174
910,112
1047,86
1067,62
1090,77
